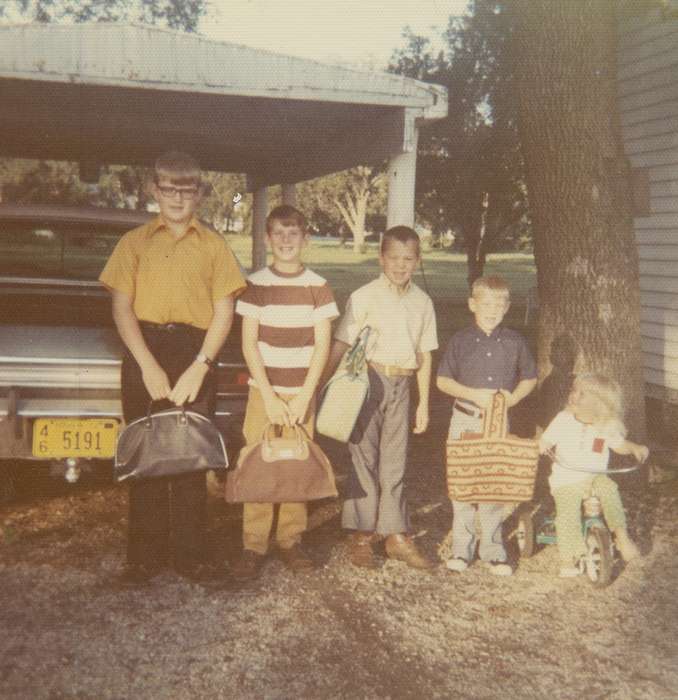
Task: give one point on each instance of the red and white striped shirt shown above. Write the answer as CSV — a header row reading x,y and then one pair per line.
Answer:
x,y
287,307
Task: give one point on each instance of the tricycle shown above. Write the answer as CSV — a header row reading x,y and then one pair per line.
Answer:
x,y
536,526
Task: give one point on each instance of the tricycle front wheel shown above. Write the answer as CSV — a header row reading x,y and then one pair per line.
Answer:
x,y
598,559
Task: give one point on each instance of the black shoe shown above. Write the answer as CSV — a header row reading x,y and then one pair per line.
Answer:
x,y
137,574
200,572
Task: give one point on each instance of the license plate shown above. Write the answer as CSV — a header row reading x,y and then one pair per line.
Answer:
x,y
67,437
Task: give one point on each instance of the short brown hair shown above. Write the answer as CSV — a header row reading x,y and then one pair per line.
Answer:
x,y
491,283
404,234
287,215
180,168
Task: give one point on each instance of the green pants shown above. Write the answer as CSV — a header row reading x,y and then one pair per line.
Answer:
x,y
568,500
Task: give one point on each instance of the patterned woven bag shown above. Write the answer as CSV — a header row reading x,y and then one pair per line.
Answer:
x,y
494,467
344,394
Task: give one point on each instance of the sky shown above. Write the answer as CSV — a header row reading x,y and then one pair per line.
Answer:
x,y
359,32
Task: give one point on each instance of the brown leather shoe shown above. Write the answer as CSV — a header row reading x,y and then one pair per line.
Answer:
x,y
403,548
249,565
295,559
360,550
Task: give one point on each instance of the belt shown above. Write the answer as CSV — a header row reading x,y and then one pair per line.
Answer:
x,y
168,327
391,370
475,412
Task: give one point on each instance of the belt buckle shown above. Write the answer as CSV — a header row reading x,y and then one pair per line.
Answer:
x,y
170,326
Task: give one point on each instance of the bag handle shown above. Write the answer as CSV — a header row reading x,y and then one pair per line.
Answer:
x,y
354,360
496,418
148,423
299,433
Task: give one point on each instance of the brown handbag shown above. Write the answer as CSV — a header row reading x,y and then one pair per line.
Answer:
x,y
494,467
281,470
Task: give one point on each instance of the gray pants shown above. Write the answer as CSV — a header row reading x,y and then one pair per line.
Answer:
x,y
464,538
375,500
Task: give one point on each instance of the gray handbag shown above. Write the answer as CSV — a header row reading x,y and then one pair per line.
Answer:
x,y
169,443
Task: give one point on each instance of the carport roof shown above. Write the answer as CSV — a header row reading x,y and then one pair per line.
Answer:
x,y
116,93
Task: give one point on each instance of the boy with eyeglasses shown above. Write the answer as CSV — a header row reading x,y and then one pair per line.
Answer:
x,y
173,282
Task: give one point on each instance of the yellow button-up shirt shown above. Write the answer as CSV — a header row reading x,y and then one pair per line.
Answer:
x,y
170,279
403,323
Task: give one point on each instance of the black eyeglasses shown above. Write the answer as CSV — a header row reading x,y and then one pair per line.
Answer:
x,y
184,192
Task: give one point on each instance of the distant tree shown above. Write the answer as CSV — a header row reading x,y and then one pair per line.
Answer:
x,y
176,14
32,182
470,170
218,207
350,197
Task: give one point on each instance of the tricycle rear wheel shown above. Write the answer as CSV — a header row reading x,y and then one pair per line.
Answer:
x,y
525,535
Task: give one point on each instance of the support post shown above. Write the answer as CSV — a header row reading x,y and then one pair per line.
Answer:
x,y
289,194
259,212
402,171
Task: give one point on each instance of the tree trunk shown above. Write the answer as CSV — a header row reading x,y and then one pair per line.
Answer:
x,y
587,263
476,251
359,238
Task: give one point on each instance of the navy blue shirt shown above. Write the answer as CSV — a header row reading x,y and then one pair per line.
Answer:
x,y
497,361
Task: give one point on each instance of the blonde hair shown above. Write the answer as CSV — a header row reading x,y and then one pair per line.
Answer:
x,y
491,283
608,395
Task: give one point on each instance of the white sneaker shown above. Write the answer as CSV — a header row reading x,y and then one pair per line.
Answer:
x,y
457,564
500,568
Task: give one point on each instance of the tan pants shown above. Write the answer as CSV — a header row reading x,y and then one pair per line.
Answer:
x,y
258,517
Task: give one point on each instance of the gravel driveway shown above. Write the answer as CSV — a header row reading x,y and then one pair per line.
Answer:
x,y
67,631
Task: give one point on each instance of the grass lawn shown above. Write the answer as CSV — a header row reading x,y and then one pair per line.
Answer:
x,y
444,276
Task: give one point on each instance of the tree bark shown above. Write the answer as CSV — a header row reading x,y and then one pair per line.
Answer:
x,y
577,176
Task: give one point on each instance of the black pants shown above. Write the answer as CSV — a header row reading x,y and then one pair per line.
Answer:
x,y
167,516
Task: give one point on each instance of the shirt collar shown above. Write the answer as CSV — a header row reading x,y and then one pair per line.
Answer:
x,y
481,333
386,282
279,273
159,223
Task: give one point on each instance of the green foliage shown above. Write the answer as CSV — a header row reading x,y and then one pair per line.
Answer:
x,y
349,203
46,182
176,14
470,170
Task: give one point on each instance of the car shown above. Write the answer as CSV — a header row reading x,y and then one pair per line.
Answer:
x,y
60,353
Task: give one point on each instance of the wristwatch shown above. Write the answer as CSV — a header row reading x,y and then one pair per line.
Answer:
x,y
201,357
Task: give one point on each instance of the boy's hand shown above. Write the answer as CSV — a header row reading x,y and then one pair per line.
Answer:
x,y
481,397
277,411
297,407
421,419
639,452
188,385
156,382
544,447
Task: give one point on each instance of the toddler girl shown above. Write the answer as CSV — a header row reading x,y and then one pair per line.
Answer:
x,y
583,435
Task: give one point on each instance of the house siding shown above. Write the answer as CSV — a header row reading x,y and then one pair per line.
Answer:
x,y
648,106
